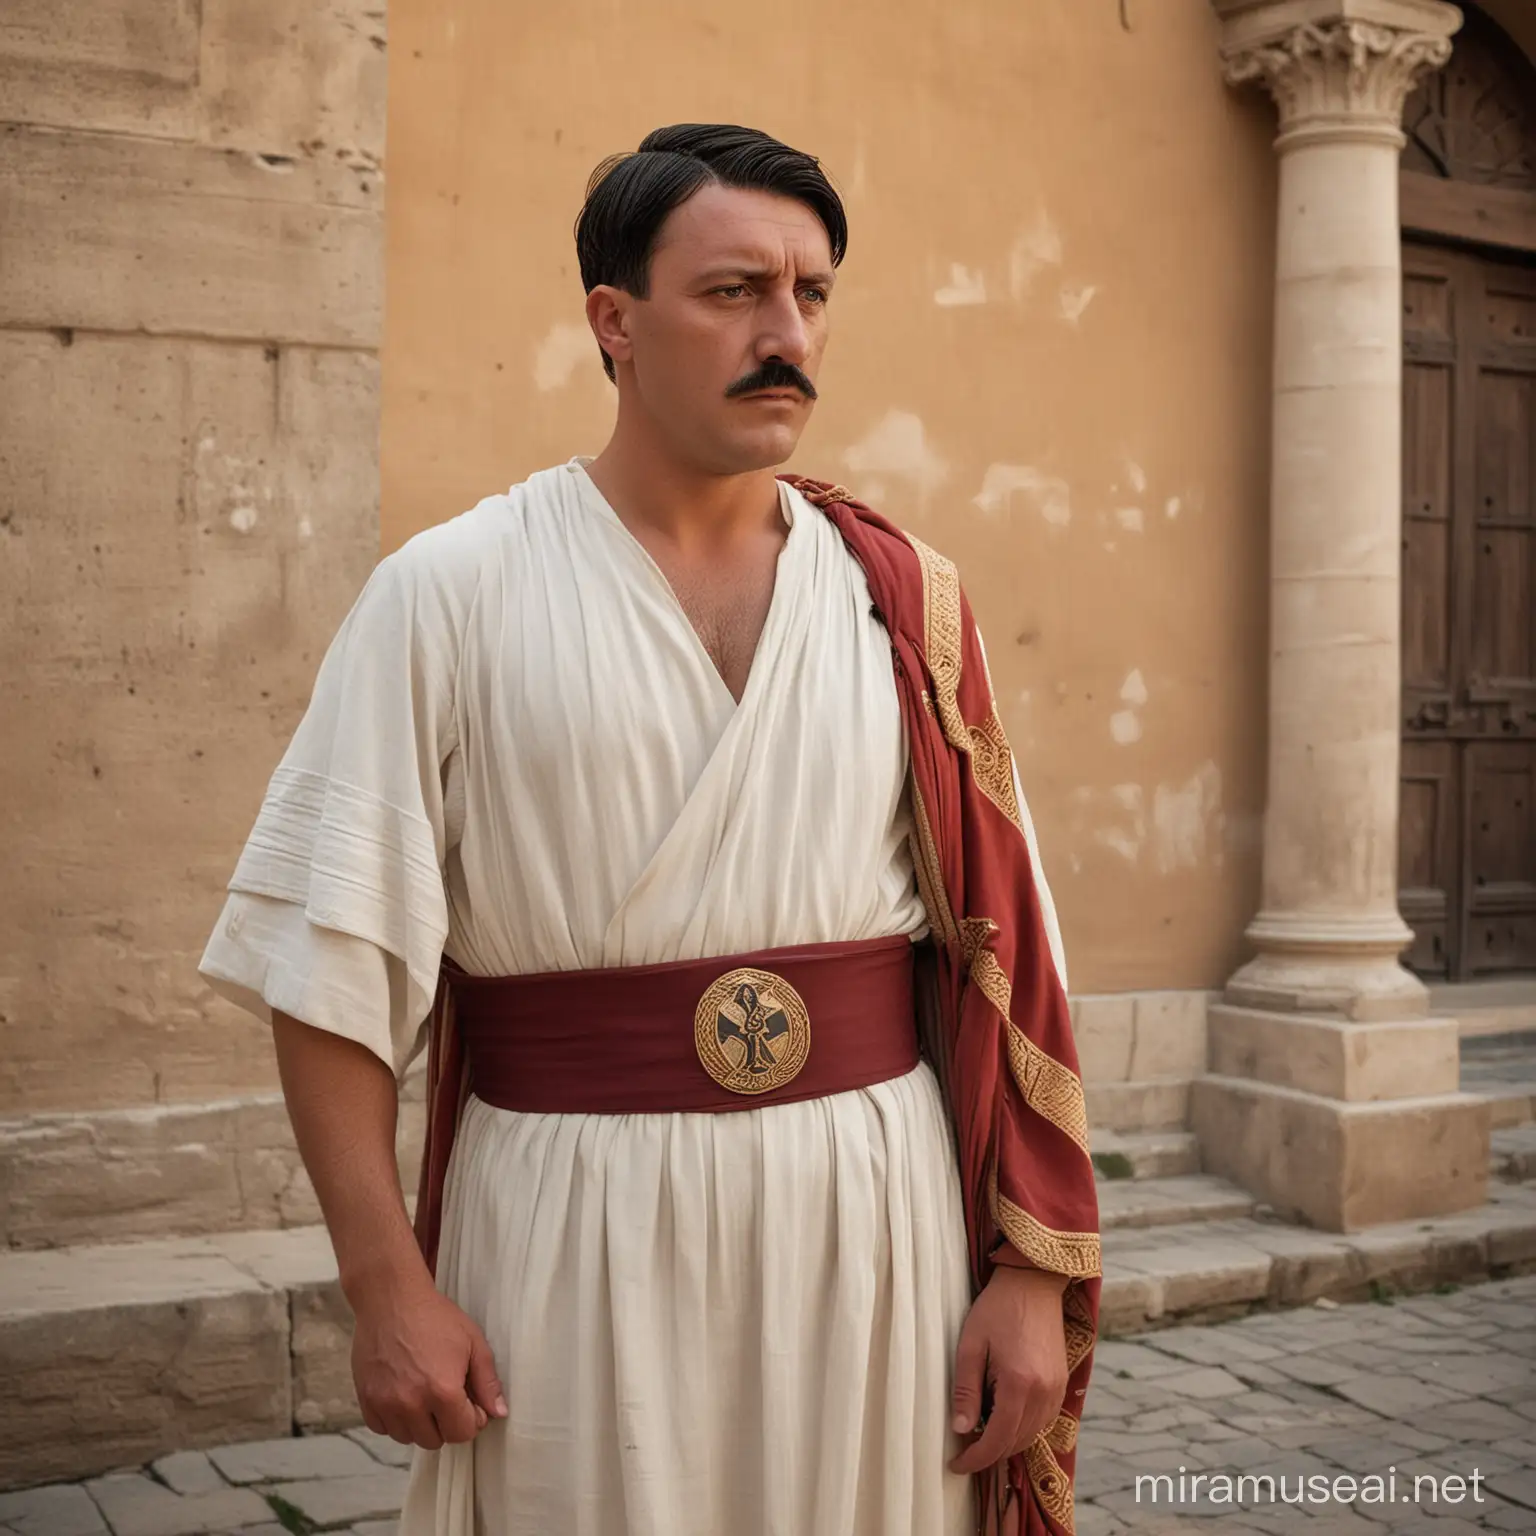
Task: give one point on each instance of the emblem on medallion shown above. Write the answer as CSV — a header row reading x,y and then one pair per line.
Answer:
x,y
752,1031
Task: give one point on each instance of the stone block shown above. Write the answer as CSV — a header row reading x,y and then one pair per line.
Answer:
x,y
1344,1166
189,523
390,1452
1103,1028
189,1472
293,1459
324,1396
264,75
120,238
1128,1301
1160,1105
1169,1035
165,1170
56,1509
335,1500
1335,1058
138,1506
113,1355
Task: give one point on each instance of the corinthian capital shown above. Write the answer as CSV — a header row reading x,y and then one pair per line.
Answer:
x,y
1336,68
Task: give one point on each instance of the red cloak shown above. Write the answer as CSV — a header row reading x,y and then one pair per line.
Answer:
x,y
1003,1033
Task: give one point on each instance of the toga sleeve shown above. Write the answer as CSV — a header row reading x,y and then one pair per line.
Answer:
x,y
337,911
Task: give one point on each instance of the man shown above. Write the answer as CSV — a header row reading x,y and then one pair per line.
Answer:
x,y
642,781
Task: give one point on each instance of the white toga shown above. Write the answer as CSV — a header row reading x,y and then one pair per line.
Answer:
x,y
518,751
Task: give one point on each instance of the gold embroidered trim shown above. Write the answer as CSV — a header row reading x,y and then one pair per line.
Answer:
x,y
986,744
1080,1330
1076,1254
942,638
992,763
930,875
818,497
1052,1486
1052,1090
1062,1435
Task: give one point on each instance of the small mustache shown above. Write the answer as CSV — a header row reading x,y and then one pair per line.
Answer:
x,y
774,374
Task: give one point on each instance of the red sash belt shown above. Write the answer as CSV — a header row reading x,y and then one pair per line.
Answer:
x,y
729,1033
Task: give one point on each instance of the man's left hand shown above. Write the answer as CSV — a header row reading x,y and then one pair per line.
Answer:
x,y
1013,1351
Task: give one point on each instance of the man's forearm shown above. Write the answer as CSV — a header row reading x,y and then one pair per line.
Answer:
x,y
344,1103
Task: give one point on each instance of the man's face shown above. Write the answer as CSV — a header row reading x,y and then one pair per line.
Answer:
x,y
723,349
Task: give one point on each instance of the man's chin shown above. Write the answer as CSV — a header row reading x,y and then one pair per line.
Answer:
x,y
766,448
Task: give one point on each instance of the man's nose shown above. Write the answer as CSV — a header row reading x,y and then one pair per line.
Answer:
x,y
784,334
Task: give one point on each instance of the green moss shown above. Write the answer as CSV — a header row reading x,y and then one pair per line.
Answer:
x,y
1114,1165
290,1517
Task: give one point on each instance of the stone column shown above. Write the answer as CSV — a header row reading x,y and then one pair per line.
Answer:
x,y
1332,1093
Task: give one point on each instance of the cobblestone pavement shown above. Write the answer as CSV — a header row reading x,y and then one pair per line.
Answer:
x,y
1437,1387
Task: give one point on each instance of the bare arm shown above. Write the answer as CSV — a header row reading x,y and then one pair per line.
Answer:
x,y
423,1370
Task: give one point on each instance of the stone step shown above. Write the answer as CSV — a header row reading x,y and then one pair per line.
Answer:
x,y
1144,1154
1512,1154
1150,1104
112,1355
1195,1197
1206,1271
115,1354
1482,1008
167,1170
1502,1069
1509,1104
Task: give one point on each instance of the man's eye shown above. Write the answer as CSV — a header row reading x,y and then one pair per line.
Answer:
x,y
820,295
730,290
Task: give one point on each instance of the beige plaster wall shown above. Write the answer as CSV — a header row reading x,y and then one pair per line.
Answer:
x,y
1050,359
190,272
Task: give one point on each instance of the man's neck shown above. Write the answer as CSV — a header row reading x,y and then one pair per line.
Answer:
x,y
652,491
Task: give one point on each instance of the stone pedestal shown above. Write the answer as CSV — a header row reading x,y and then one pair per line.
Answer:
x,y
1332,1093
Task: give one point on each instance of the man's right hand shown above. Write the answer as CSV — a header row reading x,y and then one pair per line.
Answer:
x,y
423,1370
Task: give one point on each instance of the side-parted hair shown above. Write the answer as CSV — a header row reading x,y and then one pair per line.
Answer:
x,y
630,195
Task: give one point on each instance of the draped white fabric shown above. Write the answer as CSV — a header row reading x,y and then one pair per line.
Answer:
x,y
519,751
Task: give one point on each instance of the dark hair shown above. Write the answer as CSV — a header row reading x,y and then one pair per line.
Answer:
x,y
630,195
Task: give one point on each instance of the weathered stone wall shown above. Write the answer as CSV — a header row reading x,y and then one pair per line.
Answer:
x,y
190,292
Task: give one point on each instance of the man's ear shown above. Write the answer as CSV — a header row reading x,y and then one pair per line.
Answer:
x,y
608,312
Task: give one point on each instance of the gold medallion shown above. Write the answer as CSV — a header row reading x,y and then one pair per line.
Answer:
x,y
752,1031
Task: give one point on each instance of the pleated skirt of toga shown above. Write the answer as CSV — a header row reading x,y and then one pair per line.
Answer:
x,y
737,1323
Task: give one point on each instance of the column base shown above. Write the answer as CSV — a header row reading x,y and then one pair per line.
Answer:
x,y
1347,975
1342,1166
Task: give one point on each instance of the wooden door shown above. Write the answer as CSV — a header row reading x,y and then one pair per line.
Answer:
x,y
1468,819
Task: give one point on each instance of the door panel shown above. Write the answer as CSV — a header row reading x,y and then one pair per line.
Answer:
x,y
1468,820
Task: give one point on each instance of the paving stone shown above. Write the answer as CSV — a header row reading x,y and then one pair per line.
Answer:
x,y
1481,1376
136,1505
274,1461
1119,1357
1481,1421
1518,1488
1318,1370
1510,1517
57,1509
1396,1397
382,1448
1093,1520
332,1500
377,1528
188,1472
1210,1381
